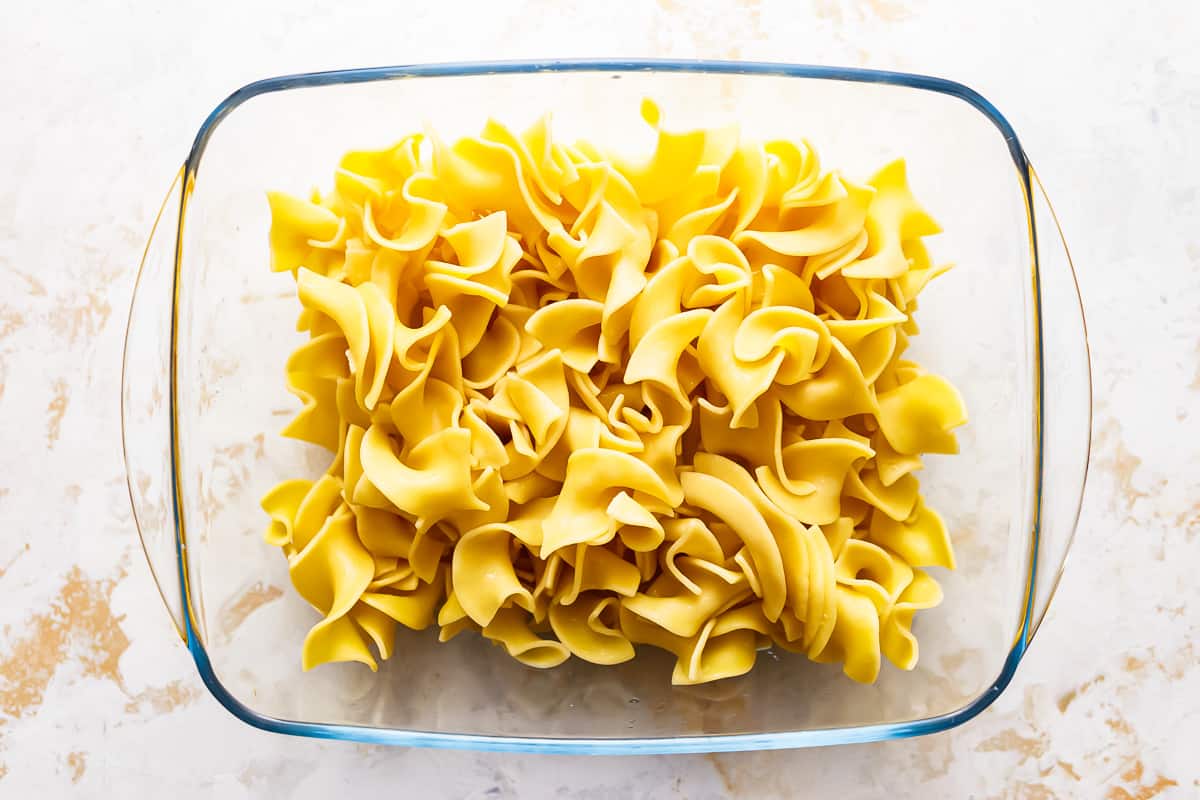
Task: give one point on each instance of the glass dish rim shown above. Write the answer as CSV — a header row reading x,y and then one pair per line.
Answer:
x,y
632,745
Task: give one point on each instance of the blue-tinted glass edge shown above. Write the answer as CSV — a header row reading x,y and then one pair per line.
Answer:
x,y
460,69
579,746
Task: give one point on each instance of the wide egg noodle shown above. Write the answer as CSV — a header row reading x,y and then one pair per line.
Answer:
x,y
584,401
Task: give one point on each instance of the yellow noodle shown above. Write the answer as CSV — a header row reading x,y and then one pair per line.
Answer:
x,y
582,401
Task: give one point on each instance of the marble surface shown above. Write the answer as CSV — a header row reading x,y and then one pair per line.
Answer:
x,y
100,99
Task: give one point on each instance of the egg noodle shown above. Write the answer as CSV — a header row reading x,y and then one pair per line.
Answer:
x,y
581,402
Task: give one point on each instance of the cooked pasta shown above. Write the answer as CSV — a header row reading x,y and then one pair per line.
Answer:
x,y
581,402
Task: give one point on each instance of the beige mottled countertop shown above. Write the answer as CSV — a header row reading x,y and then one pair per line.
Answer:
x,y
99,102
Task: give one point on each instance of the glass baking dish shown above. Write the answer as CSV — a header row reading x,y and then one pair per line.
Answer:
x,y
204,398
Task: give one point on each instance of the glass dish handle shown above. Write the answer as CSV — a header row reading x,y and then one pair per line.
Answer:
x,y
145,405
1066,403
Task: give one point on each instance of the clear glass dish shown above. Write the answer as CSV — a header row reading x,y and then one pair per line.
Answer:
x,y
204,398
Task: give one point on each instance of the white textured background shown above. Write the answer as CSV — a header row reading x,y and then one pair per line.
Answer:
x,y
98,103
